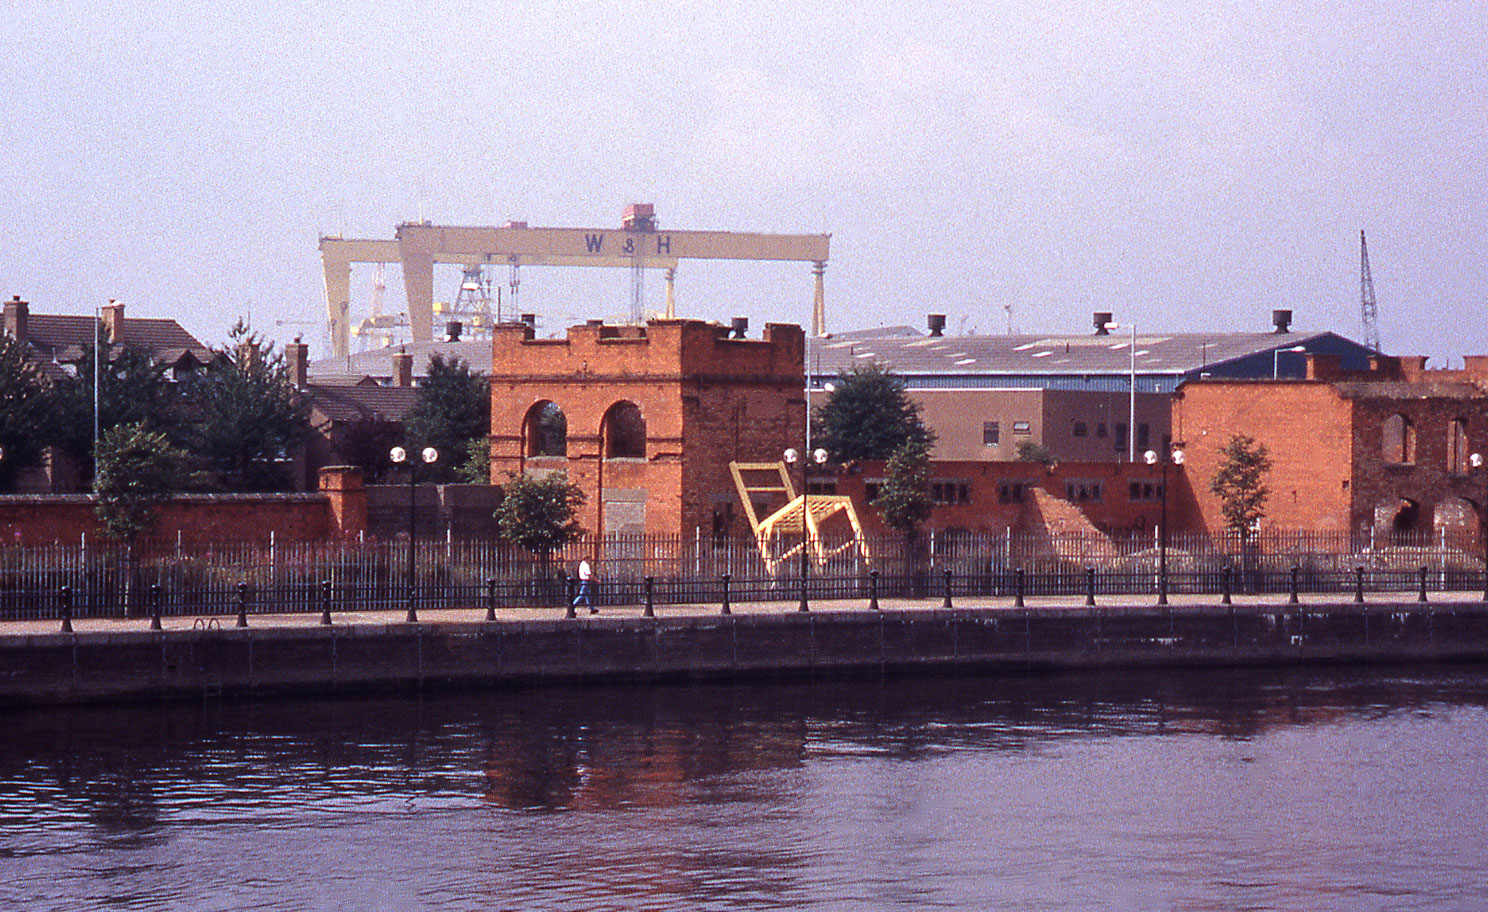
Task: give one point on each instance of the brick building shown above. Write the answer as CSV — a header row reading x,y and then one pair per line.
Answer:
x,y
1386,449
645,419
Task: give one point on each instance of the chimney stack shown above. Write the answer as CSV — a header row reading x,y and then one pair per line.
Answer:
x,y
739,326
113,322
402,369
297,362
17,318
1282,320
1102,320
936,322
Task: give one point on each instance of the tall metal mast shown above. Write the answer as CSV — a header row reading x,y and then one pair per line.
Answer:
x,y
1368,308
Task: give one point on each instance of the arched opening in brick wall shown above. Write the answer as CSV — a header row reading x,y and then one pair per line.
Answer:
x,y
624,432
545,430
1455,514
1457,446
1399,514
1399,441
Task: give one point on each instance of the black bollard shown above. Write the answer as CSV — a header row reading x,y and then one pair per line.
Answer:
x,y
568,595
650,611
947,602
803,606
873,590
1421,595
1018,584
155,606
242,604
325,603
1089,585
1227,584
725,595
1359,585
1296,571
67,609
490,600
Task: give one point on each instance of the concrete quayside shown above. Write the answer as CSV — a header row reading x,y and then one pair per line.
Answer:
x,y
294,654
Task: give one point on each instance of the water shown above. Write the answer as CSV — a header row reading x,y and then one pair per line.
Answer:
x,y
1343,789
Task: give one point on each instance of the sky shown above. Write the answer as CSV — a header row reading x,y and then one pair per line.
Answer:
x,y
1187,165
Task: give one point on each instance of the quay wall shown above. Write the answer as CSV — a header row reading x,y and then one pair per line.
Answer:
x,y
58,668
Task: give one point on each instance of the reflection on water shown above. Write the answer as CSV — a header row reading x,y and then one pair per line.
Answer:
x,y
1199,790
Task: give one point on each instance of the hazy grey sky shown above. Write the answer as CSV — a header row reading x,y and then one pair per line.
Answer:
x,y
1189,165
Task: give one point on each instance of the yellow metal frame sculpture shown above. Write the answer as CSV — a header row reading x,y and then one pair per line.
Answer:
x,y
799,510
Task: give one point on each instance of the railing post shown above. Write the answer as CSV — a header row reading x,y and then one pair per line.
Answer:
x,y
1018,583
1089,585
650,597
873,590
67,609
490,599
1227,583
946,603
725,609
1359,584
154,606
1296,572
1421,594
242,604
325,603
568,595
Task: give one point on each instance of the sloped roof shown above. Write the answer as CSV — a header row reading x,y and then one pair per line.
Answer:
x,y
379,362
338,402
59,333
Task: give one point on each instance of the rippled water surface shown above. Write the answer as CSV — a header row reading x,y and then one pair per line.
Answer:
x,y
1192,790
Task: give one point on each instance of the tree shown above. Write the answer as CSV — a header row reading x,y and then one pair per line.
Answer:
x,y
25,410
905,497
453,407
365,443
1028,451
137,470
538,513
249,420
476,469
132,389
868,416
1240,482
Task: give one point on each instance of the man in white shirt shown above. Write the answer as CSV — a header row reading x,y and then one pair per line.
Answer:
x,y
585,572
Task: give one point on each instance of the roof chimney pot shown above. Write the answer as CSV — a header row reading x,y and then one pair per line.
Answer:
x,y
936,322
1282,320
739,326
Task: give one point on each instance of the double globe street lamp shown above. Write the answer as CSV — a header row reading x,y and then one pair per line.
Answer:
x,y
1175,456
818,456
399,456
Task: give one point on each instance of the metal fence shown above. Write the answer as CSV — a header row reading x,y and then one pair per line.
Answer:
x,y
207,580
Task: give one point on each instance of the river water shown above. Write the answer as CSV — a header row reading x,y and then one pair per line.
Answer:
x,y
1300,789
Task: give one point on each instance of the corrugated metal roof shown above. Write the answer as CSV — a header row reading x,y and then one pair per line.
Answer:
x,y
379,363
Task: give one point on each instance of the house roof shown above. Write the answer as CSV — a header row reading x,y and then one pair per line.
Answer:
x,y
379,362
337,402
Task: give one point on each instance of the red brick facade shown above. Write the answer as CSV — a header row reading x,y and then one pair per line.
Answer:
x,y
654,415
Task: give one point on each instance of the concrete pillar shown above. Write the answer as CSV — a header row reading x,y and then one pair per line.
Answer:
x,y
819,301
337,274
671,294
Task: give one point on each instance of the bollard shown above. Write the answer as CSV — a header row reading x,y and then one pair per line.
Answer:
x,y
650,611
1292,597
1421,595
1018,583
325,603
568,595
155,606
1359,584
242,604
946,603
873,590
725,595
1089,585
67,609
490,600
1227,583
1162,585
803,606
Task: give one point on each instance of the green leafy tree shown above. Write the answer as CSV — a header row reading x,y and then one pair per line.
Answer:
x,y
365,443
905,500
25,410
1240,483
868,416
453,408
138,469
132,389
537,513
1029,451
476,469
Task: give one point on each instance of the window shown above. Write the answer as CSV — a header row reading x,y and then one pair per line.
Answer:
x,y
1022,428
546,430
1010,491
1082,490
1144,435
871,490
1457,446
950,492
1119,438
624,432
991,433
1100,429
1399,441
1140,491
1080,429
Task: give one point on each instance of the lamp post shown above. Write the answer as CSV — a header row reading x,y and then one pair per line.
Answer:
x,y
1476,461
399,456
1276,364
1175,456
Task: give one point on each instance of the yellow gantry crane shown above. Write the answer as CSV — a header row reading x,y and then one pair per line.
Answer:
x,y
772,480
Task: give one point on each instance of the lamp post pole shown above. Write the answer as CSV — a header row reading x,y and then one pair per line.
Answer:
x,y
399,455
1176,458
1276,364
1476,461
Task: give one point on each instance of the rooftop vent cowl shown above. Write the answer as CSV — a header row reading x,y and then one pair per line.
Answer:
x,y
739,326
936,322
1102,320
1282,320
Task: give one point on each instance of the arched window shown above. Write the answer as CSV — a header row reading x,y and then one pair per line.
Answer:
x,y
1457,446
546,430
624,432
1399,441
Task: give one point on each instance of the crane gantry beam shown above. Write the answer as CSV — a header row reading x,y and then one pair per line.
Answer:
x,y
417,246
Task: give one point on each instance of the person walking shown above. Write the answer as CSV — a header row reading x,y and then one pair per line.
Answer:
x,y
585,573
